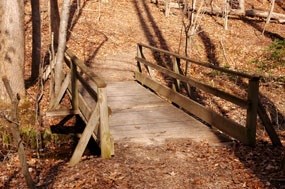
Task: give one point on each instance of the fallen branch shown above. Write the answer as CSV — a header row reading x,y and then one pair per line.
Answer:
x,y
237,12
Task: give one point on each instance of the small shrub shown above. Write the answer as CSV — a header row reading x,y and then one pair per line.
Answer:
x,y
277,51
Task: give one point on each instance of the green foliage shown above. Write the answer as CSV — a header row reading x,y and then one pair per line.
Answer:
x,y
277,51
274,57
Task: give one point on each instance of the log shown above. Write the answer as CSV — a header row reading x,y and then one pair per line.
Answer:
x,y
237,12
250,13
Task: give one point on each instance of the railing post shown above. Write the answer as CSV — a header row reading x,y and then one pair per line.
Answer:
x,y
74,86
105,136
140,55
176,69
251,116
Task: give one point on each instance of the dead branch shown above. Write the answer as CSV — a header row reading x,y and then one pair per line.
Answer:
x,y
16,133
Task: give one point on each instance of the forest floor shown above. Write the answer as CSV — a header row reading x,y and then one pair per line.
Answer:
x,y
106,40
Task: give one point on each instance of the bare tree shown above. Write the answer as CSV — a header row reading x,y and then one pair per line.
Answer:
x,y
61,44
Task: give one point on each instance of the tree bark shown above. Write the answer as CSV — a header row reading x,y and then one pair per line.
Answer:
x,y
12,46
61,44
36,47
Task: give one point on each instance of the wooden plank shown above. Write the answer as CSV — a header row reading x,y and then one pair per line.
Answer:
x,y
95,78
227,126
74,87
162,114
135,101
125,88
61,112
176,69
234,99
83,106
85,137
161,131
87,86
105,136
205,64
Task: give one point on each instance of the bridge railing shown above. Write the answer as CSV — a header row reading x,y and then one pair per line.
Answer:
x,y
244,133
88,97
97,118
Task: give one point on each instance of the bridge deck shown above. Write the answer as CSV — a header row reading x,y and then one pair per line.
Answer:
x,y
138,115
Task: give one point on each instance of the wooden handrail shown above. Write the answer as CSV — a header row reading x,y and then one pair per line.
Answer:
x,y
204,64
234,99
246,133
95,78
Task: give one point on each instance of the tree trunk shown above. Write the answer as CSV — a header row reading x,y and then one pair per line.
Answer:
x,y
36,47
12,46
61,44
54,21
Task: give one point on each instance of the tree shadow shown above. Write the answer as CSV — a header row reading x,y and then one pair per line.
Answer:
x,y
74,16
210,47
94,53
264,161
151,36
256,26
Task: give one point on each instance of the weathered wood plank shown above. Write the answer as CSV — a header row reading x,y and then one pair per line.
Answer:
x,y
134,102
251,115
125,88
161,114
219,93
74,87
105,136
85,137
61,112
161,131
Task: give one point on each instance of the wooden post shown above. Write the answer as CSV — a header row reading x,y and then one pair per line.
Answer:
x,y
105,136
251,117
74,86
140,55
85,137
176,69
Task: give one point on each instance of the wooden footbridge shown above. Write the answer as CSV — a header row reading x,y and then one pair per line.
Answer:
x,y
152,107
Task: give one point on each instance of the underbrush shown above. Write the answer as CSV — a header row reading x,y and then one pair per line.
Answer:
x,y
33,136
272,62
